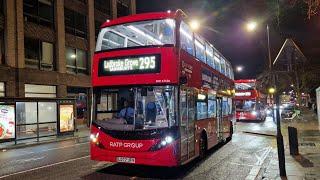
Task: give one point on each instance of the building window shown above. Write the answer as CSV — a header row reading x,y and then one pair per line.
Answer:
x,y
2,54
97,25
122,8
83,1
38,54
2,7
33,90
39,11
76,60
2,89
103,6
76,23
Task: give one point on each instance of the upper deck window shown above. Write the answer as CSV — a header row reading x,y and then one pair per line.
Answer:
x,y
186,38
209,53
143,33
200,48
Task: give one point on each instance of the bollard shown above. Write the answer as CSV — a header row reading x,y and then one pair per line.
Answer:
x,y
293,141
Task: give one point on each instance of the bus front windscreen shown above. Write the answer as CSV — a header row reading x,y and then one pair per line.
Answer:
x,y
142,33
135,108
245,105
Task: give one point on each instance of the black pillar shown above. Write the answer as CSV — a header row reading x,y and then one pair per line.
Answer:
x,y
280,145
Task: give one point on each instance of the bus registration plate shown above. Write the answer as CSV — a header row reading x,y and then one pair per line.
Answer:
x,y
126,160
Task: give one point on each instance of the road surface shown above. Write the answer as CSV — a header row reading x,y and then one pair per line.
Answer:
x,y
244,157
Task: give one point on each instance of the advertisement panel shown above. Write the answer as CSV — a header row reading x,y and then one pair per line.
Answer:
x,y
7,122
66,118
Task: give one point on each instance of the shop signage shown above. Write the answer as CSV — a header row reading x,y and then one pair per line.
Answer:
x,y
7,122
66,118
243,93
130,65
126,145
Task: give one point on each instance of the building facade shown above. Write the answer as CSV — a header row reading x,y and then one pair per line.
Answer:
x,y
46,47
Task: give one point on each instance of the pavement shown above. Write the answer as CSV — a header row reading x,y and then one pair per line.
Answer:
x,y
304,166
82,132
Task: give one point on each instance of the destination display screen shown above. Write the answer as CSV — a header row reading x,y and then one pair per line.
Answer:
x,y
130,65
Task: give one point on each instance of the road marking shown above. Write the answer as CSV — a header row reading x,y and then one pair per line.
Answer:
x,y
41,167
241,164
260,159
27,160
63,147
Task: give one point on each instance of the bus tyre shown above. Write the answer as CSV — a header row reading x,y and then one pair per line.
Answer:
x,y
202,147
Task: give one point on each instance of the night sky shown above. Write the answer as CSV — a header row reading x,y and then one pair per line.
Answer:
x,y
228,18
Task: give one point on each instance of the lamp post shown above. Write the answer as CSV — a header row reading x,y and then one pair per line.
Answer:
x,y
251,26
280,145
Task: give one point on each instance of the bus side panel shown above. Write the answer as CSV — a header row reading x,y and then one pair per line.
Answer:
x,y
227,126
210,127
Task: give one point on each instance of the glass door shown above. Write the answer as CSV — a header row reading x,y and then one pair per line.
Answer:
x,y
219,119
191,118
187,115
183,125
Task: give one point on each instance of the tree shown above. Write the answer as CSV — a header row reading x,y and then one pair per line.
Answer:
x,y
311,79
313,6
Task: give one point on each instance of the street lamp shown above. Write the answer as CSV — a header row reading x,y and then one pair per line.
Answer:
x,y
251,26
194,24
271,90
239,68
280,145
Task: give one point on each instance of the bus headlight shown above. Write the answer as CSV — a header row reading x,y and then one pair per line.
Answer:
x,y
167,140
161,144
254,113
94,137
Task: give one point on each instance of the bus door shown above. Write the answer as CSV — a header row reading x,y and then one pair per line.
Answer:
x,y
219,119
187,124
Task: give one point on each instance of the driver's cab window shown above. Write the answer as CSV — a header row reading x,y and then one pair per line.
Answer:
x,y
136,108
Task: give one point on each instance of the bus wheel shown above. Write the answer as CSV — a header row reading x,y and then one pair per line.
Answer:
x,y
202,147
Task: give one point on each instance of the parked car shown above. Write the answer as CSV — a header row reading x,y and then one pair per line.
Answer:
x,y
287,111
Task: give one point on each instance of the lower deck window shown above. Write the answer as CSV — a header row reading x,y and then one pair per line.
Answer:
x,y
202,110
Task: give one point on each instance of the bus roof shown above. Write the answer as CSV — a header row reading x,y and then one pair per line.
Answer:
x,y
139,17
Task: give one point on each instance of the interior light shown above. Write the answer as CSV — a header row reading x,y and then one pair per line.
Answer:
x,y
144,34
201,96
73,56
186,34
170,22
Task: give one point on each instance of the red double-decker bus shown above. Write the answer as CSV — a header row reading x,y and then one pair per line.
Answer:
x,y
250,103
162,93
